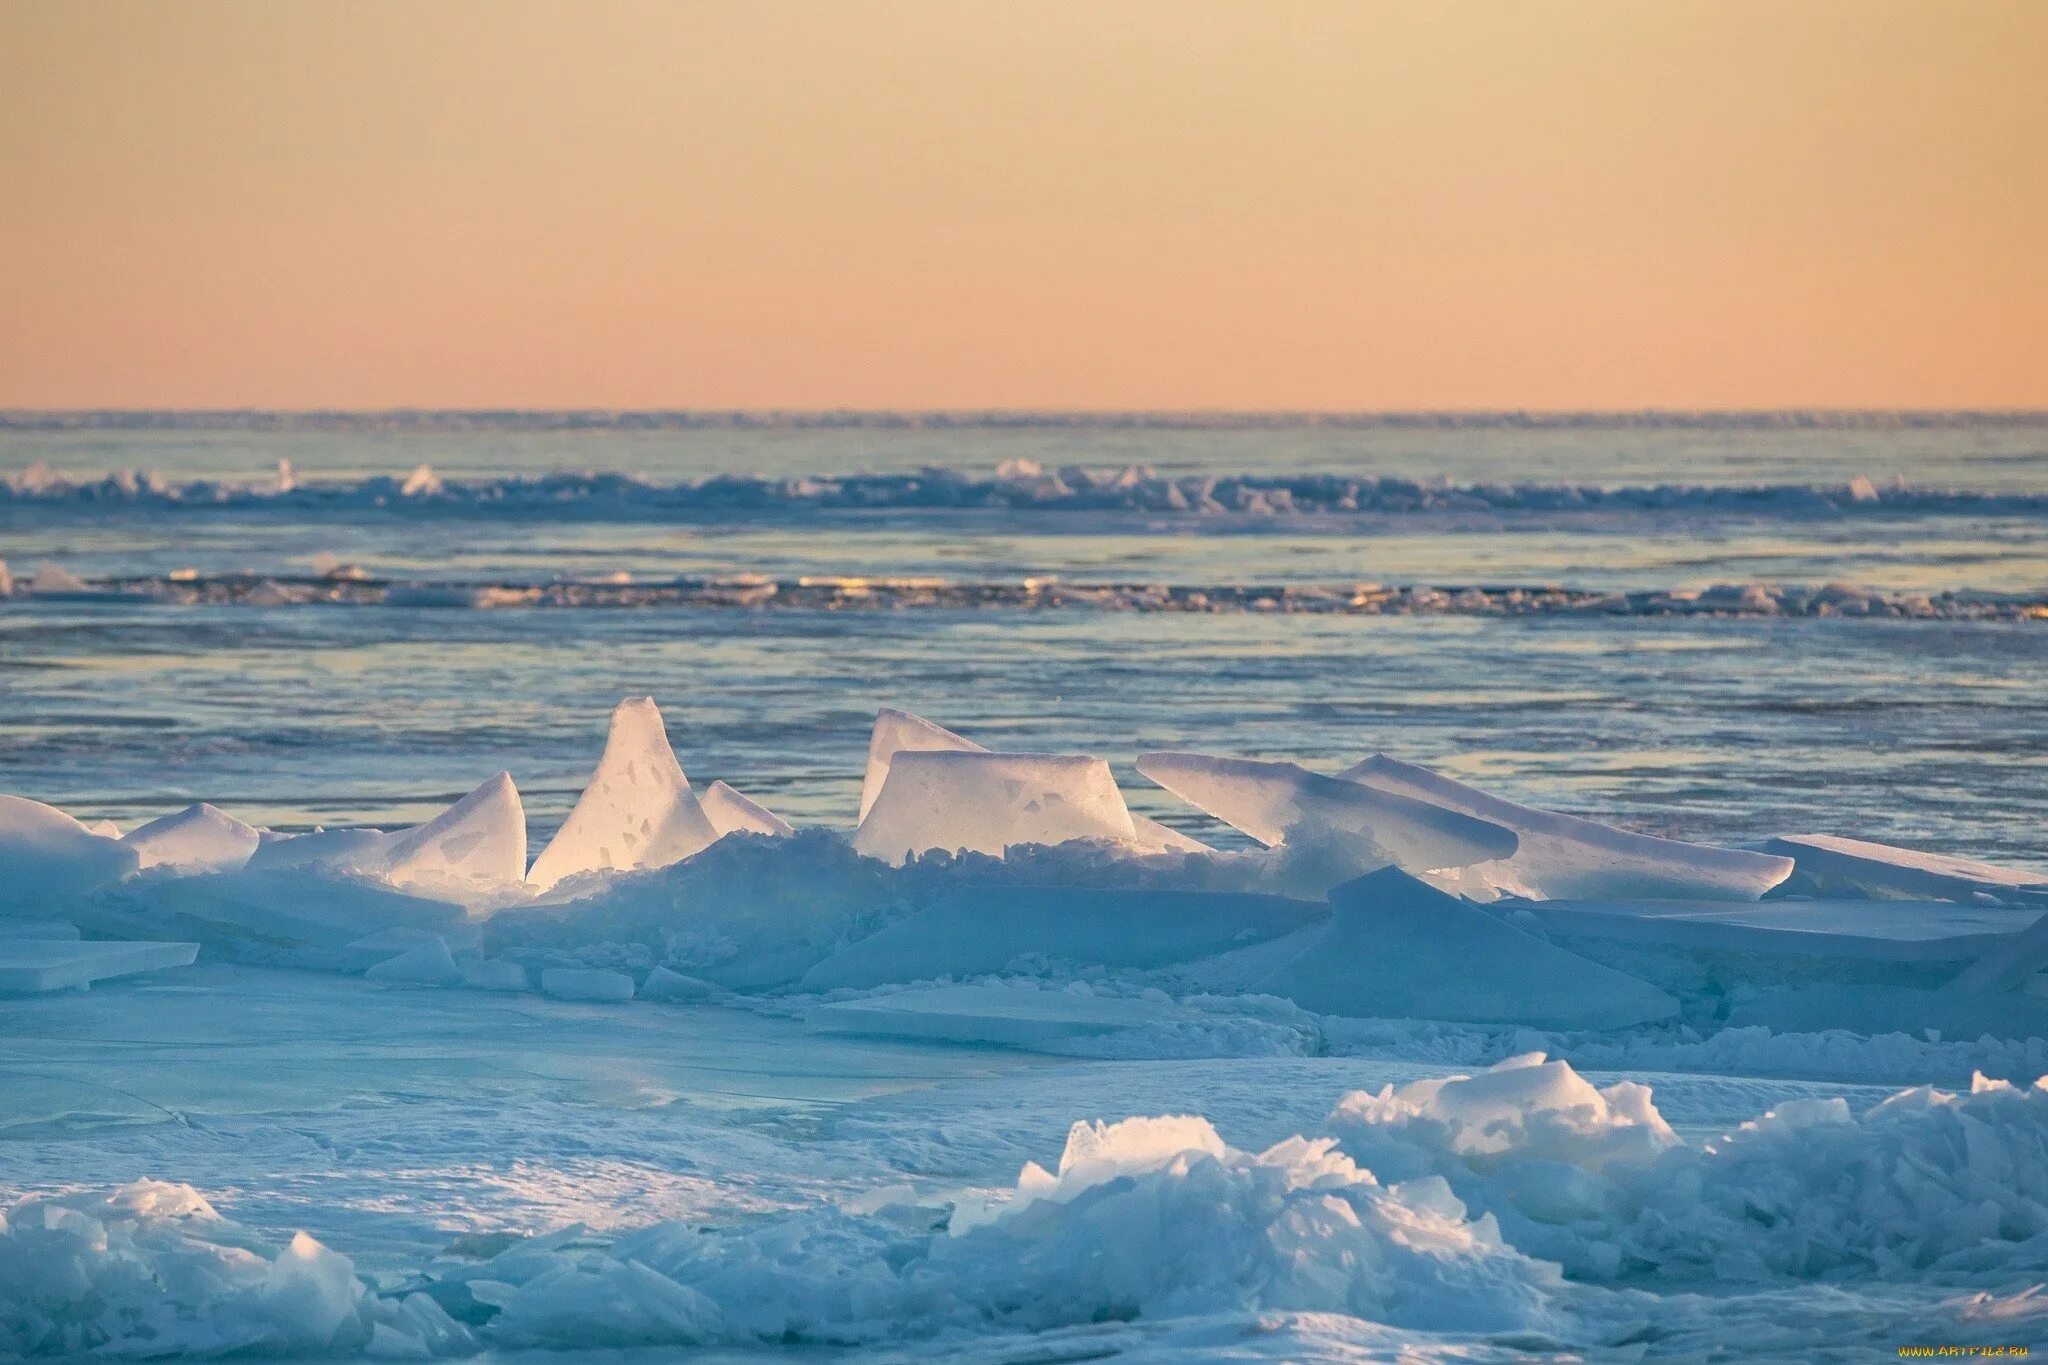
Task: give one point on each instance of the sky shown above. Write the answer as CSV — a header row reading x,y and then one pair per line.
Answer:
x,y
1291,204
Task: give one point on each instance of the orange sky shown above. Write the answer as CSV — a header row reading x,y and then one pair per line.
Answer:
x,y
1331,204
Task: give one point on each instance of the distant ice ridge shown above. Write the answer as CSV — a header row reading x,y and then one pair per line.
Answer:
x,y
1521,1204
1017,486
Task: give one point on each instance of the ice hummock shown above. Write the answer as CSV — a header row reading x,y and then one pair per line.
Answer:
x,y
478,841
46,856
1351,828
733,812
1399,948
637,810
1832,864
151,1269
898,732
200,838
1564,857
985,928
985,802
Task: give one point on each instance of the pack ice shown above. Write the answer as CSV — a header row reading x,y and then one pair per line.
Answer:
x,y
637,811
1564,857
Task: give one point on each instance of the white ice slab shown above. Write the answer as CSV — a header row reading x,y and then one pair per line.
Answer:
x,y
637,811
479,841
46,856
1002,1016
36,966
985,802
1883,870
1360,827
429,964
983,929
1399,948
1561,857
199,838
1878,931
898,732
730,812
333,851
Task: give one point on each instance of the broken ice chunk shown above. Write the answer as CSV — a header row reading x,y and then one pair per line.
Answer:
x,y
46,855
587,983
1361,827
637,811
37,966
1834,864
430,964
199,838
984,802
731,812
899,732
480,839
1562,857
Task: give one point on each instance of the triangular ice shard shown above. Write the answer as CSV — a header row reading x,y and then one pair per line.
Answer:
x,y
898,732
1398,948
637,811
1366,828
731,812
480,839
199,838
1562,857
984,802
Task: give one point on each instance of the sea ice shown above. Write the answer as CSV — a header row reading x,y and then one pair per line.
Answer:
x,y
430,964
675,987
1876,931
199,838
280,909
1874,1009
1833,864
34,966
1345,827
55,580
1564,857
492,974
46,856
997,1015
982,929
637,811
587,983
985,802
899,732
1399,948
731,813
480,841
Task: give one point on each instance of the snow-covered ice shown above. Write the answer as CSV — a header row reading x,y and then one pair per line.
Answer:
x,y
638,809
1560,857
46,857
199,838
984,802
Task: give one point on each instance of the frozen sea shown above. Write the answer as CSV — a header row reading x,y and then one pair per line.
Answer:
x,y
389,1121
